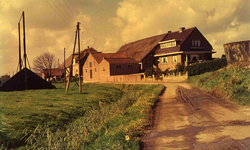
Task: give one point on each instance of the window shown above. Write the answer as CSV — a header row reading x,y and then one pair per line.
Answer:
x,y
200,56
95,69
103,68
196,43
164,60
90,64
90,71
174,59
118,66
130,66
76,70
86,70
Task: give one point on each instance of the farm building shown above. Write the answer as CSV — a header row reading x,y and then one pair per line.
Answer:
x,y
237,51
106,67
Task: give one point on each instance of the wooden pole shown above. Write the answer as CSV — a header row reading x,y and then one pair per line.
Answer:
x,y
24,47
64,70
20,54
79,61
70,72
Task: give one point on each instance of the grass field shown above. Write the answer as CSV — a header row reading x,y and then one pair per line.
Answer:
x,y
232,81
51,119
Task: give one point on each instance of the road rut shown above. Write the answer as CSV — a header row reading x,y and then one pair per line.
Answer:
x,y
187,118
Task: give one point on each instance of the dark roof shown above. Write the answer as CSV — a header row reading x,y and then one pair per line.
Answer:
x,y
88,50
16,83
82,54
121,60
139,49
99,56
177,36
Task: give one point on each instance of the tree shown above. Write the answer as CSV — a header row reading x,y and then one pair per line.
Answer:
x,y
45,63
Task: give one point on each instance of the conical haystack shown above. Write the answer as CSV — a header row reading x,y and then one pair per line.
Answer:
x,y
17,82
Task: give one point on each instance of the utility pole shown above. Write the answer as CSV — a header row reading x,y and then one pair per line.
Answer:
x,y
71,65
64,69
25,55
79,61
20,54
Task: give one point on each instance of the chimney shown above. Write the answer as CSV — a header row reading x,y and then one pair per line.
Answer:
x,y
181,29
169,32
88,47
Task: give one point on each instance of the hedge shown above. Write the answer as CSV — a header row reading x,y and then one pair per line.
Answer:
x,y
200,68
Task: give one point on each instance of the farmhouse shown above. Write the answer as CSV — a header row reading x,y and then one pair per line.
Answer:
x,y
105,67
75,65
185,46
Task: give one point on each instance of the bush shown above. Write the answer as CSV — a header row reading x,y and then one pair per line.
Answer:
x,y
154,71
179,67
200,68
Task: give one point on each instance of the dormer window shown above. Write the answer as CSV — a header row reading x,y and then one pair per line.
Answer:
x,y
169,43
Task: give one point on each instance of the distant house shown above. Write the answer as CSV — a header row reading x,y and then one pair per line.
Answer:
x,y
75,65
55,73
106,67
185,46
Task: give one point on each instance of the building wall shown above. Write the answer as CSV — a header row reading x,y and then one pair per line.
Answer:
x,y
87,70
196,35
124,69
237,51
170,65
147,62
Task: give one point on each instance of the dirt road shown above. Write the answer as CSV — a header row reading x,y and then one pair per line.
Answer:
x,y
187,118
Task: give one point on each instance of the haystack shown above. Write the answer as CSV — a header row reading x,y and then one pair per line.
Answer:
x,y
17,82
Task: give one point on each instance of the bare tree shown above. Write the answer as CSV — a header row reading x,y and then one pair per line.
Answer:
x,y
45,63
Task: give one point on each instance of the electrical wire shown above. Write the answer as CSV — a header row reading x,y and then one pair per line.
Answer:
x,y
57,13
60,10
66,11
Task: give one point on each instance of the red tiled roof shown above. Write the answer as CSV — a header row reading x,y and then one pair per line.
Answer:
x,y
54,72
121,60
139,49
99,56
82,54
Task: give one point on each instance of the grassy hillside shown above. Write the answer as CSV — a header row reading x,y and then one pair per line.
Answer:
x,y
51,119
232,81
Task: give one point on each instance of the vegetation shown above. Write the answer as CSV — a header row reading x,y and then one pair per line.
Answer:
x,y
154,71
99,118
232,81
200,68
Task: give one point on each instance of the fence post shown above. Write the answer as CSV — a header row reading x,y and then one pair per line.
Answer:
x,y
186,74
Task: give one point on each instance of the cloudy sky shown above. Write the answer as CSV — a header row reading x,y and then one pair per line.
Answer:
x,y
108,24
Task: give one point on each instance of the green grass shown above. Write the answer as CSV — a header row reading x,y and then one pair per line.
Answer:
x,y
53,119
232,81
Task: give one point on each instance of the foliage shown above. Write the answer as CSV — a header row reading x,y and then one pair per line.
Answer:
x,y
153,71
45,63
51,119
232,81
179,67
200,68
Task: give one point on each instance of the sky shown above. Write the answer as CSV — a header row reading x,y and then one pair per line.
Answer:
x,y
106,25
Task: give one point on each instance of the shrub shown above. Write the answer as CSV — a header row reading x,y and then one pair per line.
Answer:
x,y
200,68
179,67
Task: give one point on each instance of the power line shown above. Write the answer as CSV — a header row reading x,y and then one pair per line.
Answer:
x,y
68,7
59,10
57,13
65,11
